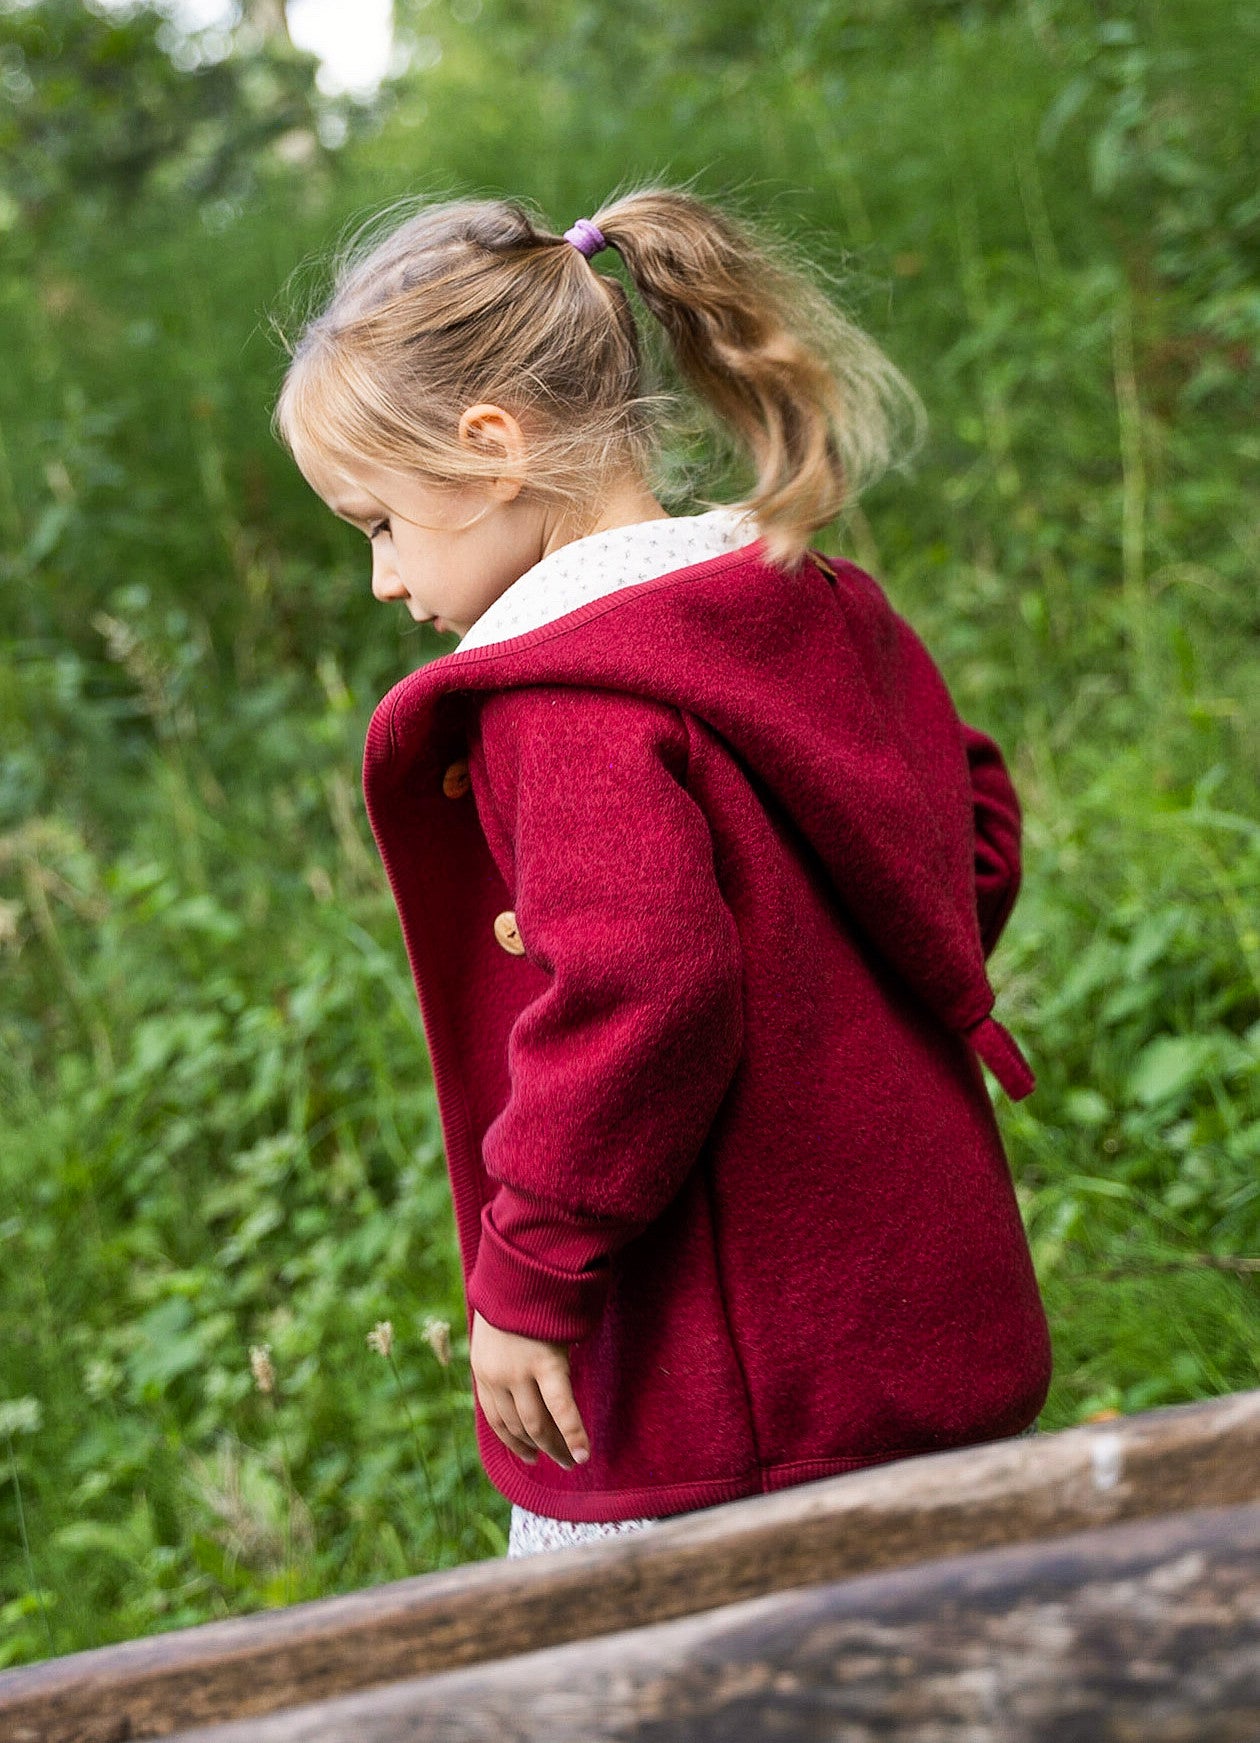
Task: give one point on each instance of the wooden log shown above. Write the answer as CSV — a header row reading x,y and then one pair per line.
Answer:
x,y
1138,1633
1008,1491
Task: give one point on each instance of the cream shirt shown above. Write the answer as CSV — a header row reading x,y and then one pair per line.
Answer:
x,y
601,563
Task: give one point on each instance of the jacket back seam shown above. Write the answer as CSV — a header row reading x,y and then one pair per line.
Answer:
x,y
710,1195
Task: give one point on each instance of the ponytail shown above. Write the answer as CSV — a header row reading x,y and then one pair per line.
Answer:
x,y
473,300
808,395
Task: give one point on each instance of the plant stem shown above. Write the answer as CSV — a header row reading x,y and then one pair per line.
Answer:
x,y
26,1546
415,1435
286,1466
1133,502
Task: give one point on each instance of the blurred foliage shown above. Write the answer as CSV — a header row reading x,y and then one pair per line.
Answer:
x,y
104,107
217,1125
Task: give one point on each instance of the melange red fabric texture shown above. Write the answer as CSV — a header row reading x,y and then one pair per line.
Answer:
x,y
711,1094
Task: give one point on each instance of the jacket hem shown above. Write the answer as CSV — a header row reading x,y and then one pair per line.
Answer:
x,y
509,1476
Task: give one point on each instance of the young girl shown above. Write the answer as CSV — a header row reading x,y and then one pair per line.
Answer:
x,y
697,869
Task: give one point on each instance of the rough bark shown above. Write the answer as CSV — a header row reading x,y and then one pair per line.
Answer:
x,y
1145,1631
1008,1492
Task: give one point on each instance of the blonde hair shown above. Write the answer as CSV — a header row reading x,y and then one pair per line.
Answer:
x,y
468,301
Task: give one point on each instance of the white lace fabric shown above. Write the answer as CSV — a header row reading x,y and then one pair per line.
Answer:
x,y
531,1532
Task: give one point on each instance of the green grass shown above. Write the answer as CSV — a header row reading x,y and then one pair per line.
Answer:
x,y
217,1125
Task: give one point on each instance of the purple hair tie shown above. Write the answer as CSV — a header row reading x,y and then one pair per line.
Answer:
x,y
586,237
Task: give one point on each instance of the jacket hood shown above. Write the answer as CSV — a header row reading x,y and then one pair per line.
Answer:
x,y
834,708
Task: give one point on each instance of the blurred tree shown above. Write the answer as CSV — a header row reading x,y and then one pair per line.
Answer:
x,y
268,17
104,106
689,41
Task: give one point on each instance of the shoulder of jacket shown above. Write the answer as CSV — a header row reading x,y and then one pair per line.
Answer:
x,y
551,722
607,703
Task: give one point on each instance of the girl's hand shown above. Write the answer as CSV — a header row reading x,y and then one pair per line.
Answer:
x,y
525,1395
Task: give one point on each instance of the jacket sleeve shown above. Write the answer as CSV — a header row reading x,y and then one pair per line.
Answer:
x,y
618,1067
997,828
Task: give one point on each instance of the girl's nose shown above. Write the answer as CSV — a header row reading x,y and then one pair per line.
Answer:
x,y
385,581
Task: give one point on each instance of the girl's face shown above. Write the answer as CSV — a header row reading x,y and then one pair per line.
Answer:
x,y
446,552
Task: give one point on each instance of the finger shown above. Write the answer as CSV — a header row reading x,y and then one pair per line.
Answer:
x,y
490,1411
538,1424
557,1394
510,1417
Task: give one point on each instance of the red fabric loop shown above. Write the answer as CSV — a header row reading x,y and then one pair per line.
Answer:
x,y
997,1047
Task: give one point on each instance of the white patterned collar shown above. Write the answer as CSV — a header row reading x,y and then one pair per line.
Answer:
x,y
601,563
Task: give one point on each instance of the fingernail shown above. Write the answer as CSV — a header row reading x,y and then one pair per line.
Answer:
x,y
581,1455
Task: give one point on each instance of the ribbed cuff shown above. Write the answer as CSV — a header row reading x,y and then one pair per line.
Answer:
x,y
519,1292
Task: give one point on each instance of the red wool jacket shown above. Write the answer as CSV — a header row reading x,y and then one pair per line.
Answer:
x,y
697,882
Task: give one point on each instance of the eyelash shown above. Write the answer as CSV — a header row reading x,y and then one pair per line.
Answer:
x,y
382,526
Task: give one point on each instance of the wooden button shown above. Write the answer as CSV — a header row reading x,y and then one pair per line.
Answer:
x,y
505,931
455,781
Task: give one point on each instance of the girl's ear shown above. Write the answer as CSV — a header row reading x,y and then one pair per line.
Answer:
x,y
492,431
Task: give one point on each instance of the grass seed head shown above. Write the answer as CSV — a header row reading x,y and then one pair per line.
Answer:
x,y
437,1334
261,1366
